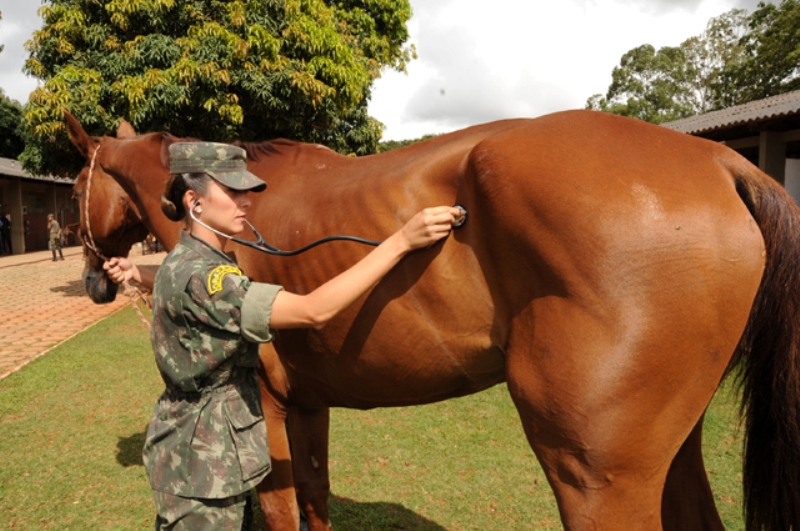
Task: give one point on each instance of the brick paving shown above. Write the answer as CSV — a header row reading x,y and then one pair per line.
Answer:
x,y
44,303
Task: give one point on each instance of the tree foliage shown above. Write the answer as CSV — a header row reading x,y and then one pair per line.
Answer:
x,y
649,85
675,82
11,144
710,54
388,145
219,70
771,61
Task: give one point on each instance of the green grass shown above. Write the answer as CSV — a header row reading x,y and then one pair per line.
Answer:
x,y
72,426
71,430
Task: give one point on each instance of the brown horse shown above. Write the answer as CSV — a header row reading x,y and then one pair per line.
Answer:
x,y
115,227
611,272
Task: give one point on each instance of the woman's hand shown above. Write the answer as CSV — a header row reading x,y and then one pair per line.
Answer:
x,y
120,270
429,226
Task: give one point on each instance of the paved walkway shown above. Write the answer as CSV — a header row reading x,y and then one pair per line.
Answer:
x,y
44,303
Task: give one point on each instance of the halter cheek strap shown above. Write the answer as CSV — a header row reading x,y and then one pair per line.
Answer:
x,y
88,241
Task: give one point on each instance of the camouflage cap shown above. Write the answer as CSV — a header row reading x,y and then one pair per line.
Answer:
x,y
224,163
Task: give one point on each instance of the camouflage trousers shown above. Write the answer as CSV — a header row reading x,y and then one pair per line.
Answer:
x,y
202,514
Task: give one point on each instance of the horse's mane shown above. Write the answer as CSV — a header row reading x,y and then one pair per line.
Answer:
x,y
253,149
266,147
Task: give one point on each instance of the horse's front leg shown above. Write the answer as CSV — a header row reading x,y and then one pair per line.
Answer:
x,y
309,431
277,493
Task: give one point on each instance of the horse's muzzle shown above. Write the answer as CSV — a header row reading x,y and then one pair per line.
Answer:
x,y
98,286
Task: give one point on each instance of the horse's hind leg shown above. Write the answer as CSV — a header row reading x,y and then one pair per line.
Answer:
x,y
606,421
688,503
604,477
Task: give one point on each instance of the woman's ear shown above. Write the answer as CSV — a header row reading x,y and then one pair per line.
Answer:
x,y
190,200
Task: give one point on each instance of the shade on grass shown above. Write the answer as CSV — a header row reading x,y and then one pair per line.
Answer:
x,y
72,426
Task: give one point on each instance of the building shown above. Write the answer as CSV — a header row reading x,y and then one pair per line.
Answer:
x,y
28,199
766,131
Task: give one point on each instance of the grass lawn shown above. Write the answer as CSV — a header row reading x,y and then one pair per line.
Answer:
x,y
72,426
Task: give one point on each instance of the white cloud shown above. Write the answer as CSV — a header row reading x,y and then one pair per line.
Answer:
x,y
17,26
481,61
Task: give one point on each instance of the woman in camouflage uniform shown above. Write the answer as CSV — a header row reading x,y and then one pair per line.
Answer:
x,y
206,445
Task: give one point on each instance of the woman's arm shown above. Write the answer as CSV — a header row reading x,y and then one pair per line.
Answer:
x,y
317,308
121,269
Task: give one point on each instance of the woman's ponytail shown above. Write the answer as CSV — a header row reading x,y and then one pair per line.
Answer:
x,y
178,184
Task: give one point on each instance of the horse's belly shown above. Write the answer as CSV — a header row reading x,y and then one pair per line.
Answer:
x,y
425,376
425,346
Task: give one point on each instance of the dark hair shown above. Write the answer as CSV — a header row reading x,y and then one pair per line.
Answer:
x,y
177,186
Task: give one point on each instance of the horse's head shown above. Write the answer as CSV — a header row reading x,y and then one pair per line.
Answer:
x,y
109,220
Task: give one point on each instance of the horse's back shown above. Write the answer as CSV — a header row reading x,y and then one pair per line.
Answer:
x,y
586,199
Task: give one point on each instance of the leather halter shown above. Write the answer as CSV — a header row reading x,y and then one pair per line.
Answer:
x,y
89,239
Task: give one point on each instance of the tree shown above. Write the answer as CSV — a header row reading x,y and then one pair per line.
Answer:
x,y
676,82
771,60
11,144
388,145
649,85
219,70
710,54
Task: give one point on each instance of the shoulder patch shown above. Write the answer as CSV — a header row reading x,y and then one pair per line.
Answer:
x,y
217,274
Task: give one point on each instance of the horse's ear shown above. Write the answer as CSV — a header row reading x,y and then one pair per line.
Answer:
x,y
166,141
125,130
78,136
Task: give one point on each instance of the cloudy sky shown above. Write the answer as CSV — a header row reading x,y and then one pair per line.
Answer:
x,y
478,61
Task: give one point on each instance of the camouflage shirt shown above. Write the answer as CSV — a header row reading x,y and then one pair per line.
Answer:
x,y
207,437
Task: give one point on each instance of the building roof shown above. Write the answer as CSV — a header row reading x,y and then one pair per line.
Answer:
x,y
12,168
783,105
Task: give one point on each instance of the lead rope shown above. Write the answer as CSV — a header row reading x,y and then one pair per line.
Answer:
x,y
133,292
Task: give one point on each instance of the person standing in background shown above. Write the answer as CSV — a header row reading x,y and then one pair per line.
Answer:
x,y
5,233
2,239
55,236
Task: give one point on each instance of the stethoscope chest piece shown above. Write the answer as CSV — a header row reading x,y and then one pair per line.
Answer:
x,y
460,220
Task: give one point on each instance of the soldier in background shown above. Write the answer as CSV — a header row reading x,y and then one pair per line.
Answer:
x,y
5,233
206,445
3,226
55,236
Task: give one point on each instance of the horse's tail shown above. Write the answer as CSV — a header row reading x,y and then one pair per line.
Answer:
x,y
769,361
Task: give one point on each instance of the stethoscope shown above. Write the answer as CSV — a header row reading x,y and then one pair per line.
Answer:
x,y
261,245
